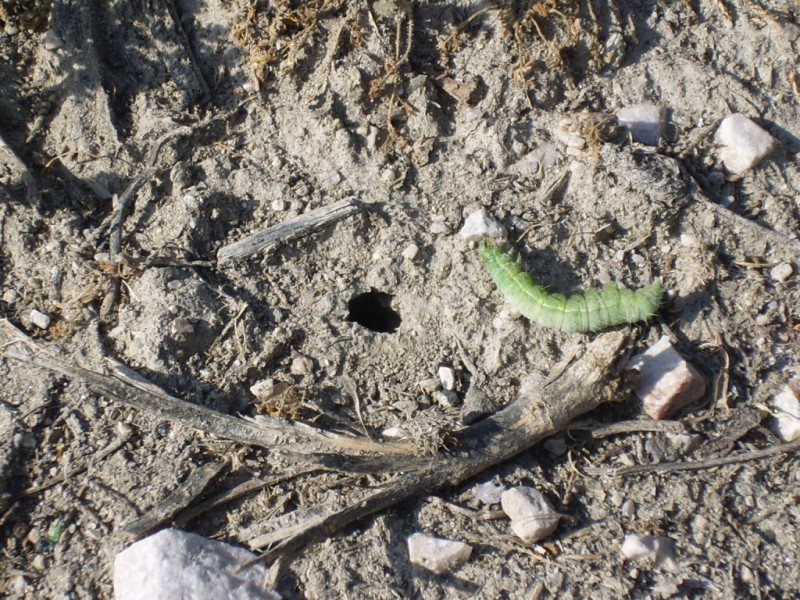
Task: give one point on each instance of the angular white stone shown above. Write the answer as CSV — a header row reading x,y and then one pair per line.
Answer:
x,y
489,493
532,516
481,224
41,320
176,564
447,376
666,382
52,41
439,555
786,410
658,549
410,252
744,144
645,122
301,365
268,388
781,272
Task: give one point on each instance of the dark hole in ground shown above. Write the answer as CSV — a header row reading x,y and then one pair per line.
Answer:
x,y
374,311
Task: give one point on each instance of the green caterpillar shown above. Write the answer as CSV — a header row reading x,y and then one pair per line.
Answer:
x,y
591,311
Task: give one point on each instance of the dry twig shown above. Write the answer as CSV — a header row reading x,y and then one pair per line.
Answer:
x,y
288,230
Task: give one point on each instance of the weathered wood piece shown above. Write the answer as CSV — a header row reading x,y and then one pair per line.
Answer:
x,y
131,389
292,229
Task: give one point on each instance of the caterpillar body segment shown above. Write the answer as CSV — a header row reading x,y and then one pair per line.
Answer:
x,y
591,311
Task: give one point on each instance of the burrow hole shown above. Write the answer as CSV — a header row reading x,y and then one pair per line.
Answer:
x,y
373,310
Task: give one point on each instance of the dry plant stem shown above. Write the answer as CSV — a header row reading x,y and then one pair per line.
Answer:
x,y
133,390
184,495
288,230
695,465
534,415
601,430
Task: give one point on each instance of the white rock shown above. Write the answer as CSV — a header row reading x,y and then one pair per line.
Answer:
x,y
781,272
744,144
394,433
489,493
410,252
666,382
786,410
439,227
175,564
532,516
645,122
10,296
301,365
40,319
656,548
52,41
481,224
439,555
447,375
268,388
278,205
688,240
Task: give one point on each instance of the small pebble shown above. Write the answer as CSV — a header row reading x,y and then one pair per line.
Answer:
x,y
181,327
446,398
439,227
410,252
646,123
447,376
428,386
744,144
268,388
301,365
40,319
477,405
781,272
52,41
688,240
556,446
481,224
278,205
532,516
666,382
10,296
439,555
763,320
638,259
649,547
394,433
786,411
489,493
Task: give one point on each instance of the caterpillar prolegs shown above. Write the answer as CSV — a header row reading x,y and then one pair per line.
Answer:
x,y
591,311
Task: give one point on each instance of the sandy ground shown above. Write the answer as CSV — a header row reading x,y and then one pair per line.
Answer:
x,y
424,112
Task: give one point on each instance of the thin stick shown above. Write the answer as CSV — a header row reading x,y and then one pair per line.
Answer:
x,y
695,465
292,229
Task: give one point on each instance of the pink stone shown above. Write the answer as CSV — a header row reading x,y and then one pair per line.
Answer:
x,y
666,382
